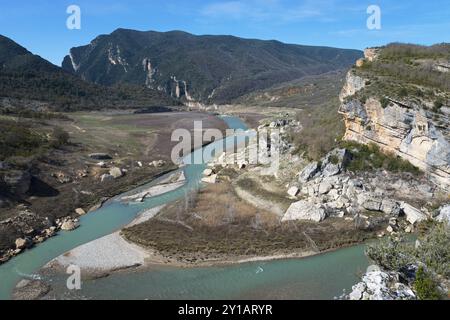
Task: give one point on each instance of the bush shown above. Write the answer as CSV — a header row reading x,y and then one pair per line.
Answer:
x,y
434,249
370,157
438,104
433,252
59,138
391,254
426,286
384,102
19,139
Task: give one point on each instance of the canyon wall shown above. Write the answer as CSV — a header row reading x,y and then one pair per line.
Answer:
x,y
403,128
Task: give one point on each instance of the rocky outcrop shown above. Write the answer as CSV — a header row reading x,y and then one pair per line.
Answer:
x,y
403,128
30,290
332,165
352,85
22,232
444,214
371,199
379,285
69,225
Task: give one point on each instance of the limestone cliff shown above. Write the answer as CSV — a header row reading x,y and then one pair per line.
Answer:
x,y
405,122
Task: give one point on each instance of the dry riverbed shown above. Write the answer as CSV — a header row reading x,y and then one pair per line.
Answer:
x,y
67,181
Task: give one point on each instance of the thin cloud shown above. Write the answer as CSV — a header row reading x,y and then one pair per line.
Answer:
x,y
274,10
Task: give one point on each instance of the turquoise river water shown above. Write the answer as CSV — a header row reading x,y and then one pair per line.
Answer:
x,y
319,277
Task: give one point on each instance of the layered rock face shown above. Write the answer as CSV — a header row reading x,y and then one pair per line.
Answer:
x,y
405,129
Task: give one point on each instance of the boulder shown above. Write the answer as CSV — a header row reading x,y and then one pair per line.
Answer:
x,y
390,207
333,194
369,202
358,291
413,215
444,214
21,243
379,285
335,161
211,179
325,187
80,211
69,225
50,232
100,156
208,172
158,163
309,172
116,172
293,191
303,210
331,169
106,177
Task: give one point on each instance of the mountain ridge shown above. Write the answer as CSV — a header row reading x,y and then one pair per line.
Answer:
x,y
205,68
29,78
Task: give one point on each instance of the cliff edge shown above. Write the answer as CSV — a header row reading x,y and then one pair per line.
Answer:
x,y
397,97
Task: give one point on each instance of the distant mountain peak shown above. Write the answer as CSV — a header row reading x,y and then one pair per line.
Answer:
x,y
207,69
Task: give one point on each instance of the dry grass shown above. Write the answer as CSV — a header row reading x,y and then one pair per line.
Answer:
x,y
215,224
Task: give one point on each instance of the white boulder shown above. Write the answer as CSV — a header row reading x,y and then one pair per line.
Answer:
x,y
211,179
325,187
21,243
80,211
309,172
208,172
293,191
116,172
303,210
413,215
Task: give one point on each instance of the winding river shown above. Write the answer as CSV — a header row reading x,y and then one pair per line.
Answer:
x,y
319,277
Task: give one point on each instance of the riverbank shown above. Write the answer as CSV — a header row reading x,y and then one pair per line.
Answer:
x,y
66,182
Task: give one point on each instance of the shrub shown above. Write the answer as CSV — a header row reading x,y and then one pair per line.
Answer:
x,y
426,286
403,93
59,138
370,157
391,254
19,139
384,102
438,104
433,253
434,249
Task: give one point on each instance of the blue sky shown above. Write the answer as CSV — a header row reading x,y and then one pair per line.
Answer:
x,y
40,25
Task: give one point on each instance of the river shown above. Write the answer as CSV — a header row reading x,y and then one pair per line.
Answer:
x,y
319,277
